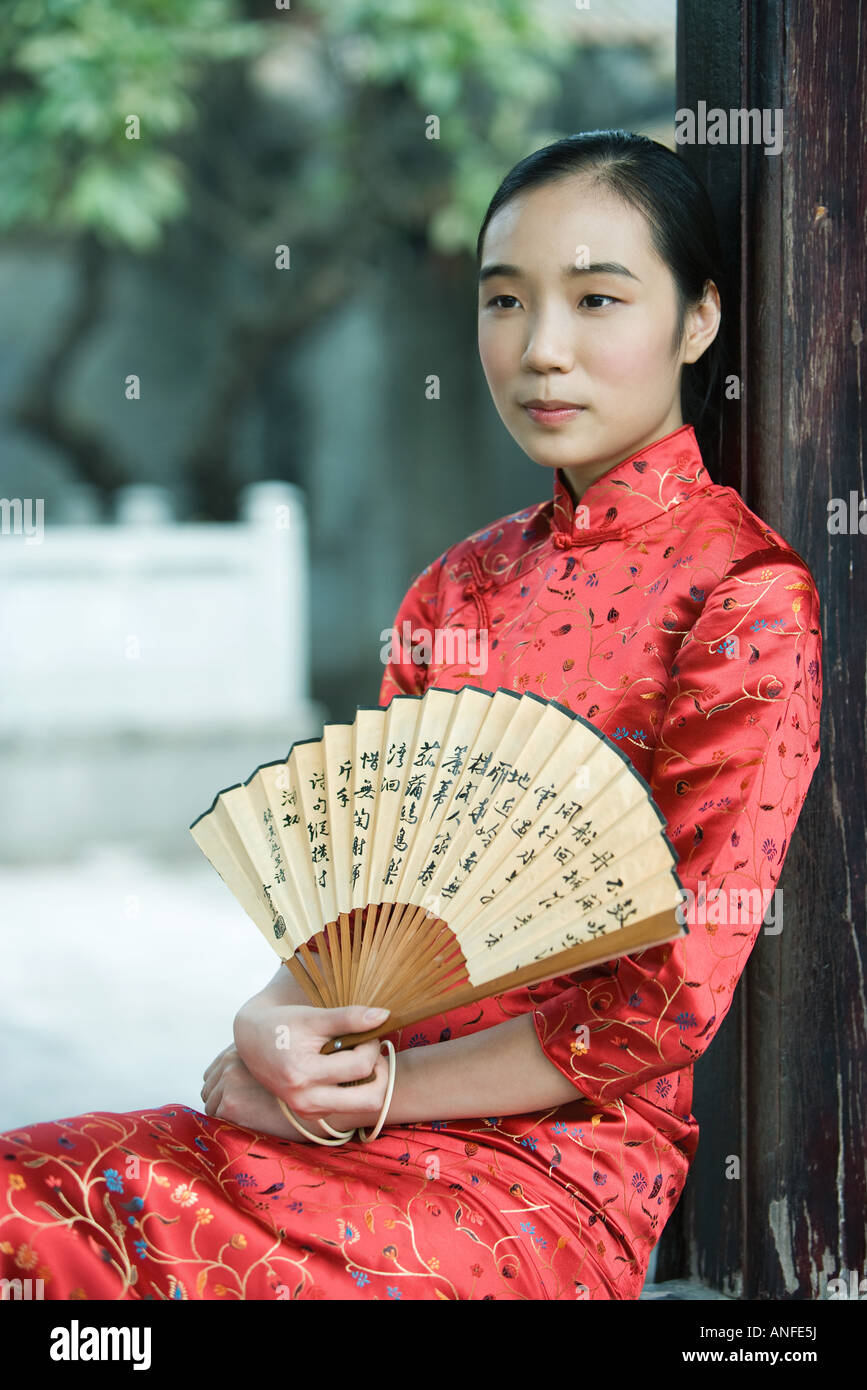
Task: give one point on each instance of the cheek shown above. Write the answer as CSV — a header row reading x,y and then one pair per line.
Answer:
x,y
633,356
496,353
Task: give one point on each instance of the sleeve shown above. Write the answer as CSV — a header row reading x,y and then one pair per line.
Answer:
x,y
407,645
737,747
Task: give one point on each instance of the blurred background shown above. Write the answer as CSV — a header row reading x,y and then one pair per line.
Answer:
x,y
231,258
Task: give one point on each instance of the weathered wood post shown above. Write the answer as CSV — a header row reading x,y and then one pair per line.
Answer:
x,y
783,1086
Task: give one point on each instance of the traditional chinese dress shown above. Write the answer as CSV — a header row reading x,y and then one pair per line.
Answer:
x,y
665,612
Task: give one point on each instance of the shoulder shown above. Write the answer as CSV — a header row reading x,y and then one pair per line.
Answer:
x,y
747,546
758,604
495,547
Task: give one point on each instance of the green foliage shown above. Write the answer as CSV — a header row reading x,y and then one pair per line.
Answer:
x,y
76,71
482,66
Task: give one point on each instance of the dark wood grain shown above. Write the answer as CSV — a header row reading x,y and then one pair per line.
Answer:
x,y
805,438
783,1083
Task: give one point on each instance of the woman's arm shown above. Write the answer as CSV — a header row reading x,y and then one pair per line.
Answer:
x,y
282,988
231,1092
498,1071
738,744
242,1083
737,749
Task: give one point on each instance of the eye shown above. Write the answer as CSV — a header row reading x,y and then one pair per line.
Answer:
x,y
493,302
496,303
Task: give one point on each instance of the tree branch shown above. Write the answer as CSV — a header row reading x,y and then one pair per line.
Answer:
x,y
38,406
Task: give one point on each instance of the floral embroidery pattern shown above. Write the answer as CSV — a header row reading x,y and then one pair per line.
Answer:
x,y
687,631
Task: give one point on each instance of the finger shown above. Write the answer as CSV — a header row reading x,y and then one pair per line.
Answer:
x,y
326,1100
208,1086
214,1098
353,1064
210,1068
217,1069
350,1018
324,1069
219,1057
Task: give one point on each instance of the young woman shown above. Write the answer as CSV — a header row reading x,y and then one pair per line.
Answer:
x,y
534,1146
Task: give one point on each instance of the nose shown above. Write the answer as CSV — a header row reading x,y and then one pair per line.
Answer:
x,y
550,345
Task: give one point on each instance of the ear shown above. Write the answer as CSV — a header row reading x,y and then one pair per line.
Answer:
x,y
703,323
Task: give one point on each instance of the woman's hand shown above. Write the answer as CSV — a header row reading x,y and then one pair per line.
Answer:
x,y
232,1093
281,1046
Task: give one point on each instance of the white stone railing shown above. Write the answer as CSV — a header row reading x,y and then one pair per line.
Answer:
x,y
152,625
145,663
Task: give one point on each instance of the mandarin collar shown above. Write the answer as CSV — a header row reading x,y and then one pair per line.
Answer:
x,y
634,492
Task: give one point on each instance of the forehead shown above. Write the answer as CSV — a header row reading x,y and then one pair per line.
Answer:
x,y
545,224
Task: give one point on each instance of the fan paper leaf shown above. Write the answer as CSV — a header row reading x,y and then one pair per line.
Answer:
x,y
445,848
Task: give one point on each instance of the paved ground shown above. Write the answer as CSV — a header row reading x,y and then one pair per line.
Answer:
x,y
681,1290
121,977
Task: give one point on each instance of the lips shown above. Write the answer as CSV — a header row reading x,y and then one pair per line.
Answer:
x,y
552,413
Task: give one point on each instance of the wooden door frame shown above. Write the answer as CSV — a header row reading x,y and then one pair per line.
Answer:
x,y
782,1086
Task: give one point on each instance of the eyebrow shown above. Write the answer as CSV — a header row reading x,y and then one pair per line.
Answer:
x,y
569,272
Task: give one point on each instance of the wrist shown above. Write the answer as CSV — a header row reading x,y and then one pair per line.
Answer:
x,y
339,1119
252,1011
367,1117
239,1023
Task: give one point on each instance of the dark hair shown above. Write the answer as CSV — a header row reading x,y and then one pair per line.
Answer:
x,y
683,231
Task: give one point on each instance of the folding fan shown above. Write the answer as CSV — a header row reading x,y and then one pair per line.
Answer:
x,y
448,847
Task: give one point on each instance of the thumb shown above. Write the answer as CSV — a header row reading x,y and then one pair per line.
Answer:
x,y
354,1018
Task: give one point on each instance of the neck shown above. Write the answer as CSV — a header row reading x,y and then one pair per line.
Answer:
x,y
579,476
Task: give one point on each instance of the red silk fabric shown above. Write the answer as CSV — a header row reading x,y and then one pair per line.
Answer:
x,y
667,614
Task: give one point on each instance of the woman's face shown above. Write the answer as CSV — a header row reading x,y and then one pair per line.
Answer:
x,y
551,329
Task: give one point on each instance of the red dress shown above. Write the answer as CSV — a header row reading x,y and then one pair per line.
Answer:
x,y
666,613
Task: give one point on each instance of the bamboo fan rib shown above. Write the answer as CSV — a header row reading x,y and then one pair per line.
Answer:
x,y
451,846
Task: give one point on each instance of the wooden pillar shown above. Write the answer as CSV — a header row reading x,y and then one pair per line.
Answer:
x,y
783,1083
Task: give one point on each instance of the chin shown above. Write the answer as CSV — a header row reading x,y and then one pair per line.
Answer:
x,y
546,461
559,454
